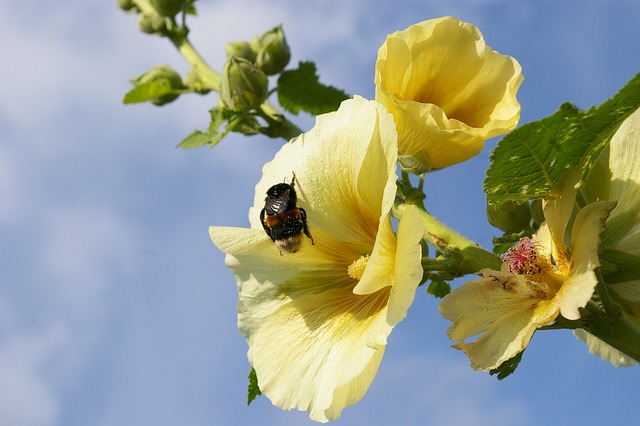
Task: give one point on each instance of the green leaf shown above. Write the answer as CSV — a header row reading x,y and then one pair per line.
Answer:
x,y
439,289
300,89
148,91
253,390
528,161
508,367
212,135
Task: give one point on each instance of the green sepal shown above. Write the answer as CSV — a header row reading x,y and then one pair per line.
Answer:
x,y
253,390
438,289
300,89
508,367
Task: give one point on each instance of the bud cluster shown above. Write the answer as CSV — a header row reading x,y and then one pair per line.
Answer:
x,y
244,79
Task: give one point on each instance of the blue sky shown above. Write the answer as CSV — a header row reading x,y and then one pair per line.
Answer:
x,y
116,309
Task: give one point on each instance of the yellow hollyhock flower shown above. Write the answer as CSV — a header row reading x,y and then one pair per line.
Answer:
x,y
317,321
624,166
624,224
447,90
540,279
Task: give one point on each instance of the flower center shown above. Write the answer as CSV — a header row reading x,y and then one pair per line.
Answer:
x,y
356,269
526,259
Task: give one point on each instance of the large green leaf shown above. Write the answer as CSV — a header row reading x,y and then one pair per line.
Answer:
x,y
300,89
528,161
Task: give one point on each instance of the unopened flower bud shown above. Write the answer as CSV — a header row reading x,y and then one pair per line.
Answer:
x,y
244,86
240,49
273,52
168,8
509,216
161,72
152,23
127,5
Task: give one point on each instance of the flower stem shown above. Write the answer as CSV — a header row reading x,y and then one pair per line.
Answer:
x,y
472,257
209,76
279,125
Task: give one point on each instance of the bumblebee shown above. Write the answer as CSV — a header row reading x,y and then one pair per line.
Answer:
x,y
282,220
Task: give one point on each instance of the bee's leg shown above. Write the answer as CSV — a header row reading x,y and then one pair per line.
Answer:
x,y
305,228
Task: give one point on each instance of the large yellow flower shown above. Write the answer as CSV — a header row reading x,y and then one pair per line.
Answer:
x,y
317,321
447,90
540,279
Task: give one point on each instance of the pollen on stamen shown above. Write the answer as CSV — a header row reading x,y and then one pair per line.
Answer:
x,y
522,258
356,269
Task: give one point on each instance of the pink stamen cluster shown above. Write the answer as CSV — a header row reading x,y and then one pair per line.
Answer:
x,y
522,258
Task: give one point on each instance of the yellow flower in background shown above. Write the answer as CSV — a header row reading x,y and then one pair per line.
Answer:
x,y
624,166
447,90
317,321
540,279
623,186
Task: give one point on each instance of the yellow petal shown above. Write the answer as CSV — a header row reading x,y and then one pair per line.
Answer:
x,y
345,172
624,163
577,290
501,307
603,350
447,90
318,352
238,240
396,262
558,207
629,293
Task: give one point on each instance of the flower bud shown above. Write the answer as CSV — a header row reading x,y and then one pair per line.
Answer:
x,y
152,23
240,49
127,5
273,52
244,86
195,82
248,126
509,216
168,8
161,72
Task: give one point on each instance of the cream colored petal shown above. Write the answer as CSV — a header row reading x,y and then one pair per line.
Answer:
x,y
624,163
630,242
559,204
345,172
319,352
239,240
503,309
396,263
629,293
577,290
603,350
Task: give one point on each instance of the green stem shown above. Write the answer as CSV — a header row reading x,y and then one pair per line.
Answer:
x,y
282,127
473,257
209,76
